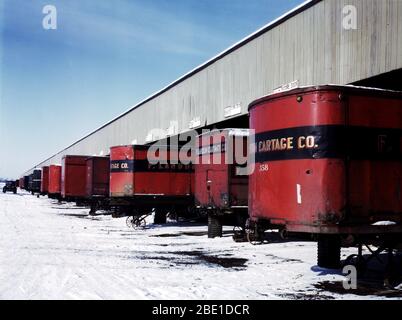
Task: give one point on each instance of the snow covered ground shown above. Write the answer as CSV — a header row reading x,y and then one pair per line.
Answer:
x,y
56,251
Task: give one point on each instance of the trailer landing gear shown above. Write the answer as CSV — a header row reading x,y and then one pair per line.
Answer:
x,y
361,262
254,233
329,251
214,226
159,217
93,209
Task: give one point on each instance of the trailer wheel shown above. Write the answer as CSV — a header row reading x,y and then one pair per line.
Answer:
x,y
93,209
254,232
129,221
239,235
136,222
160,217
254,238
214,226
329,251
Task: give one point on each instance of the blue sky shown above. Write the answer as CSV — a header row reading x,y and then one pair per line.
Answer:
x,y
105,56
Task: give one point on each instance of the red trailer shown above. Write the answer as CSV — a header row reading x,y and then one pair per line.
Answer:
x,y
221,180
97,182
54,185
139,183
21,183
328,163
44,187
73,178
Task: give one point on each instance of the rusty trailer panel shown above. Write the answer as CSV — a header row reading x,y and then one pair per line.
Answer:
x,y
221,180
97,176
220,183
73,177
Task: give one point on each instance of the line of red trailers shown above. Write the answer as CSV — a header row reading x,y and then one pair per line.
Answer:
x,y
326,162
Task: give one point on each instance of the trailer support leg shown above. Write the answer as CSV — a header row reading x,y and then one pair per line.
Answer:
x,y
329,251
214,226
93,209
160,216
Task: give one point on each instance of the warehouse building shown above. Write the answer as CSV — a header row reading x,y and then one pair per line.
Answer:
x,y
320,42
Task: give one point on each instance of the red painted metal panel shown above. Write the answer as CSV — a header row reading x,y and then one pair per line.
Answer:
x,y
97,181
54,179
44,187
326,158
217,182
133,173
121,181
73,176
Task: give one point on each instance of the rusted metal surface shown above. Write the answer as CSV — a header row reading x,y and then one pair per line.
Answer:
x,y
97,176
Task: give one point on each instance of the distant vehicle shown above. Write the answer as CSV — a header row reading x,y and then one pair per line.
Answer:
x,y
10,186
